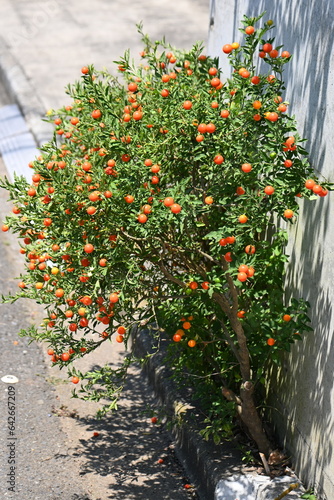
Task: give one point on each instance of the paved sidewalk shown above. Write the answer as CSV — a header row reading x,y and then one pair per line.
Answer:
x,y
43,468
53,39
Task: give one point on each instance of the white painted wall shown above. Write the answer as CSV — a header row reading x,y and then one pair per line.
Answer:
x,y
305,396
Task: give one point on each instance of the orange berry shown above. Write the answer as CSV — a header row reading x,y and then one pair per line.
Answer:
x,y
272,117
316,189
288,214
269,190
142,218
250,272
282,108
267,47
324,192
242,276
309,184
243,268
89,248
250,30
168,202
228,257
218,159
273,53
210,128
224,113
215,82
176,208
113,298
187,105
250,249
227,48
245,74
246,167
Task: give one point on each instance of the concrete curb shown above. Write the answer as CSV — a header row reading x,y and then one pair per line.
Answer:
x,y
206,463
217,470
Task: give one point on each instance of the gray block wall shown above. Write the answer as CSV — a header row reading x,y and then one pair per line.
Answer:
x,y
304,394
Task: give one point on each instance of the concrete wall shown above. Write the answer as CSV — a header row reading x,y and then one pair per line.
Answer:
x,y
305,396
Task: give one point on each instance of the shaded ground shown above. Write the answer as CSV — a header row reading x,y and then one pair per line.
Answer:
x,y
43,461
58,455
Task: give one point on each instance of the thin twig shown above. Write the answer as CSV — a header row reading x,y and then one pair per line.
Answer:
x,y
169,276
265,464
230,340
127,235
287,491
193,375
209,257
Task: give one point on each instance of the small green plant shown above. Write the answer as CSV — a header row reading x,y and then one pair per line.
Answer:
x,y
309,495
248,456
162,201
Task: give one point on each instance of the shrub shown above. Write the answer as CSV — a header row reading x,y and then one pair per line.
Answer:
x,y
162,201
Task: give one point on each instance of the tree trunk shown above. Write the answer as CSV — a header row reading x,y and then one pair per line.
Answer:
x,y
250,417
245,403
